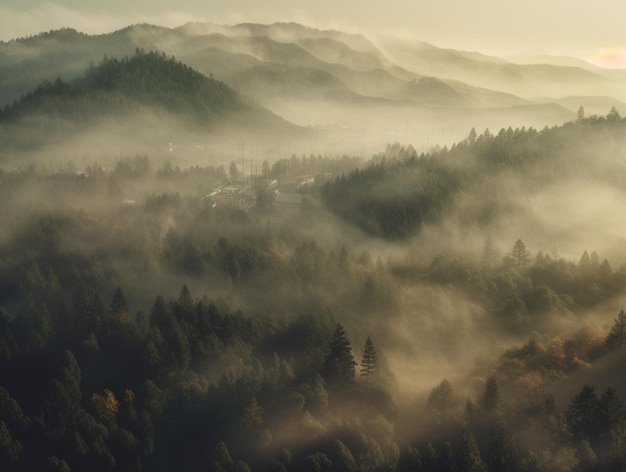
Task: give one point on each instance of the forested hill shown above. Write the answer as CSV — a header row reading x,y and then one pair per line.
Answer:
x,y
145,80
400,191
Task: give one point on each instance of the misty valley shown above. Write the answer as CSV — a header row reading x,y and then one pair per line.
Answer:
x,y
279,248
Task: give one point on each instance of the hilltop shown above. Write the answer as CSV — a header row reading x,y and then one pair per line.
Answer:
x,y
145,84
484,179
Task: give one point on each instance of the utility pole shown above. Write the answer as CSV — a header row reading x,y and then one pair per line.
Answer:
x,y
243,169
406,139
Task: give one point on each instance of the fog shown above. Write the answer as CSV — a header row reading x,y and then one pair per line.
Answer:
x,y
189,237
501,29
565,217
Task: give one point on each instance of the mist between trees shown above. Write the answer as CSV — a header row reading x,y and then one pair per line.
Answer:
x,y
148,323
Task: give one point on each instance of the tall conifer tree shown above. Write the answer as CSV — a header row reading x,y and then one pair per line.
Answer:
x,y
368,362
339,365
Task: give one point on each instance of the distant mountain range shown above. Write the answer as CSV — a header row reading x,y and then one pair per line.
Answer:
x,y
305,61
323,77
554,76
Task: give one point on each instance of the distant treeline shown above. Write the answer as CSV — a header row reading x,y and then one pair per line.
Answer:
x,y
401,191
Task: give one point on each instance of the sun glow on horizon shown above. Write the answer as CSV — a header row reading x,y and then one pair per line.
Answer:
x,y
610,58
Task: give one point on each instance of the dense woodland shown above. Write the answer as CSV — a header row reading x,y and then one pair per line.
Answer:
x,y
401,191
148,92
165,333
149,78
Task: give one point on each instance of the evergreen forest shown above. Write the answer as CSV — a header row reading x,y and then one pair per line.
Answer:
x,y
146,324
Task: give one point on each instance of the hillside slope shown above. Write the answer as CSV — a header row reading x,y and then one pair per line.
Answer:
x,y
146,84
484,179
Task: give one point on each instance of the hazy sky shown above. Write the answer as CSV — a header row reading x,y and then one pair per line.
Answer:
x,y
593,30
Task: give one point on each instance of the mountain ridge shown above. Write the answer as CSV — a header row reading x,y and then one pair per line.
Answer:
x,y
149,79
284,43
321,78
147,82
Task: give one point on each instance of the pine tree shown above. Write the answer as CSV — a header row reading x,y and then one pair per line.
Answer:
x,y
491,396
11,412
120,310
613,115
584,260
520,257
502,454
341,457
222,462
184,298
339,363
582,412
441,398
62,405
368,362
429,459
618,332
445,457
410,460
471,138
468,455
470,411
253,414
610,412
587,459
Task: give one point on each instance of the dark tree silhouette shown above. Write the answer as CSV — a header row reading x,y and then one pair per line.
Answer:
x,y
120,310
441,398
502,454
582,412
610,412
519,256
491,395
339,365
618,332
368,362
222,462
410,461
468,455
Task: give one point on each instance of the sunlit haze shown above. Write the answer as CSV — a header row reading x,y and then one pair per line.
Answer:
x,y
586,30
312,236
